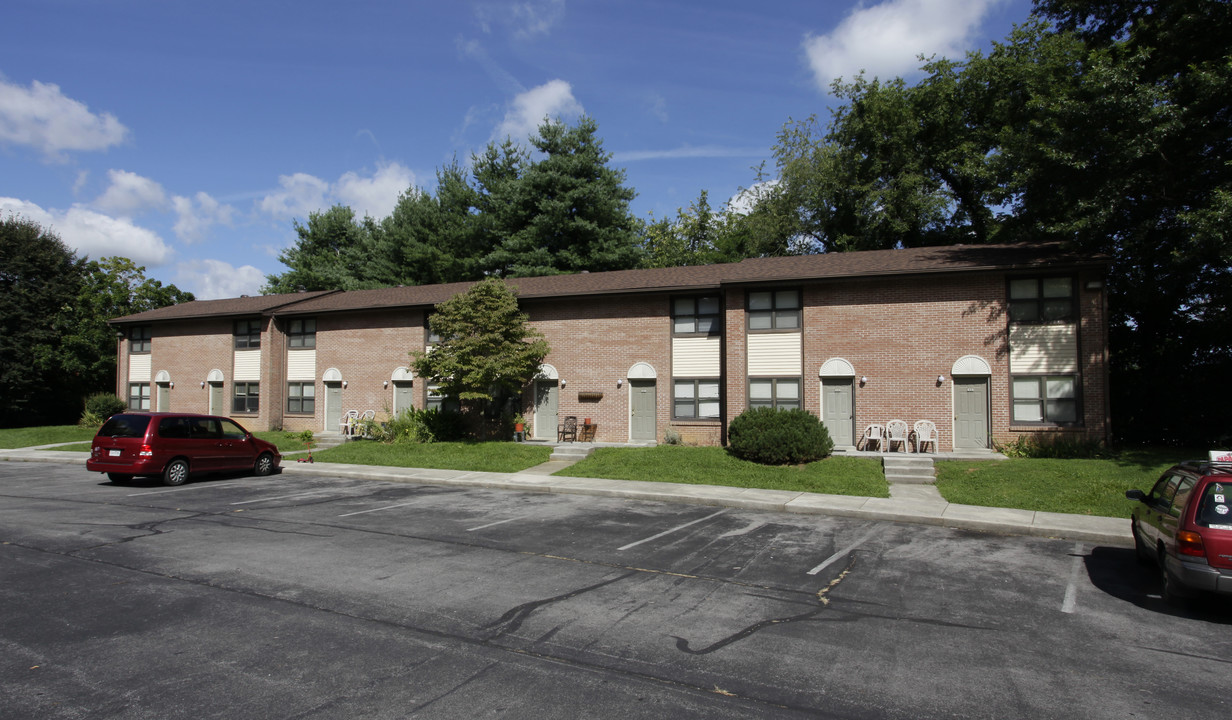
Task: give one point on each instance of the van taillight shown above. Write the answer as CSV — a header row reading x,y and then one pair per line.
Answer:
x,y
1190,543
147,451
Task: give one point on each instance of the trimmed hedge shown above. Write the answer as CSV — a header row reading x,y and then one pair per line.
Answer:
x,y
778,437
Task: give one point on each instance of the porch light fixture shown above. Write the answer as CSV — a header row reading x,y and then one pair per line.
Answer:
x,y
620,381
202,384
170,386
863,379
940,379
344,384
386,384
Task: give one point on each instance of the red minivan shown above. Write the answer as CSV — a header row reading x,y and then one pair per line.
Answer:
x,y
174,445
1184,528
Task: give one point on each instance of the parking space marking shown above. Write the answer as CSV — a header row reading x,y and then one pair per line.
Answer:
x,y
372,510
1071,589
498,522
841,553
669,532
185,487
283,497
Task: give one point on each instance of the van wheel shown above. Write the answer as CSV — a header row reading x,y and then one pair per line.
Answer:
x,y
119,478
264,465
176,473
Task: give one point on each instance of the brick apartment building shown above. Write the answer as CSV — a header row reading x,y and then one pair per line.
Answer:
x,y
990,342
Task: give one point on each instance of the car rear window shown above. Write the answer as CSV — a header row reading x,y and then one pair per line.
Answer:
x,y
1214,511
125,426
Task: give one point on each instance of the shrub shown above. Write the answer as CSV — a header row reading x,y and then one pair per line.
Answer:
x,y
671,436
99,407
420,426
1053,446
778,437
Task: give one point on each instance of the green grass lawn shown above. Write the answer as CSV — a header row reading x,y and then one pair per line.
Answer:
x,y
714,466
485,457
11,438
1083,487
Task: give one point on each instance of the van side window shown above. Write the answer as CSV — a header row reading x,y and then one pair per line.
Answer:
x,y
1183,491
175,428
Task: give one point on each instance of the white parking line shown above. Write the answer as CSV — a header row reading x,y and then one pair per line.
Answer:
x,y
1071,589
498,522
841,553
283,497
181,489
387,507
669,532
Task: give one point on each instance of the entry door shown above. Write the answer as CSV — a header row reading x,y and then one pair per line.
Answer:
x,y
403,392
546,403
838,411
333,406
971,412
216,407
164,397
642,409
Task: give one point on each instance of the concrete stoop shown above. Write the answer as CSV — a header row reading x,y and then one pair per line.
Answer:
x,y
910,469
325,441
573,452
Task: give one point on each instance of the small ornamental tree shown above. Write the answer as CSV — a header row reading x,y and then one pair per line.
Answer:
x,y
486,346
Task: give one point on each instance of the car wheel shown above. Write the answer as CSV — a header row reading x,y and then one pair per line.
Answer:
x,y
264,465
1170,589
176,473
119,478
1144,555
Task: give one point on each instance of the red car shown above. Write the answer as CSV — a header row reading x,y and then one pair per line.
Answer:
x,y
174,445
1184,528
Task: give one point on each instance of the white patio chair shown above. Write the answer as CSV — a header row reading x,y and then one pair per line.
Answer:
x,y
874,434
896,432
348,421
925,432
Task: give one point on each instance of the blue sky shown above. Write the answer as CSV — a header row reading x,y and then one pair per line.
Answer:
x,y
189,136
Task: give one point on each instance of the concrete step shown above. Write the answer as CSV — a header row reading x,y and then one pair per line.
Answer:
x,y
572,453
909,469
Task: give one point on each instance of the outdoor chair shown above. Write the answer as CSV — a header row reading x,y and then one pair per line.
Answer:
x,y
896,432
925,432
348,421
568,429
874,434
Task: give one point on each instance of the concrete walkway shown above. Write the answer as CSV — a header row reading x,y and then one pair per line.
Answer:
x,y
913,502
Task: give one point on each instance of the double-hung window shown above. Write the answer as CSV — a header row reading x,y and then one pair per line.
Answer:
x,y
778,393
139,339
1042,300
774,310
247,334
1046,399
301,398
696,315
138,396
302,333
247,397
695,399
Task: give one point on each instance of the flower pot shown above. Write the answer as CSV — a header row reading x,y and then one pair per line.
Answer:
x,y
519,427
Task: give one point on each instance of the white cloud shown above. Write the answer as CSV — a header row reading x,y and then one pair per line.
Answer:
x,y
689,151
885,40
301,194
213,279
743,202
529,109
129,194
376,195
95,235
526,19
198,214
45,119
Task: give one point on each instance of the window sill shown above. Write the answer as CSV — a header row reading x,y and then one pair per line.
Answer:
x,y
1052,427
696,421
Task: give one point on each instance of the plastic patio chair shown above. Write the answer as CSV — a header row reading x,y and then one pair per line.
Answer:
x,y
896,432
925,432
874,434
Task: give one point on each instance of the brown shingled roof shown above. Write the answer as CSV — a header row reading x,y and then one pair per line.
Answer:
x,y
871,263
247,305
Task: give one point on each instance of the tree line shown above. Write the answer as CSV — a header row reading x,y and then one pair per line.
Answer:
x,y
55,344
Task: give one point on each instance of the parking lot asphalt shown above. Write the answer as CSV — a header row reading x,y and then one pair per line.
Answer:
x,y
907,504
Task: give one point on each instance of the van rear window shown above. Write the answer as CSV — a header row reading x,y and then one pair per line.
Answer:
x,y
1215,511
125,426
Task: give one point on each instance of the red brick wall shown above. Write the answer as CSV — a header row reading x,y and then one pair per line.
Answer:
x,y
188,352
594,342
